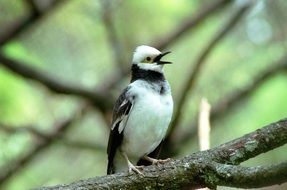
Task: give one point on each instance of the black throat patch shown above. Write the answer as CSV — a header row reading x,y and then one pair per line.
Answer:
x,y
147,75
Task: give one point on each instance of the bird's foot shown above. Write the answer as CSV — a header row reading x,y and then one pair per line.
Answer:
x,y
136,169
156,161
131,166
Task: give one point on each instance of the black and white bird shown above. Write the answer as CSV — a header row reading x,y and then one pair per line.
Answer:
x,y
142,113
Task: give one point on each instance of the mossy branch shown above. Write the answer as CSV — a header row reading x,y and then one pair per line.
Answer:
x,y
217,166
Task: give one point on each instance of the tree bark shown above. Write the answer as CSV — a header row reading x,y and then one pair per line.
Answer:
x,y
210,168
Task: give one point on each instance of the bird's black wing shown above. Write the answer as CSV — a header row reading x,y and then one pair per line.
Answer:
x,y
121,113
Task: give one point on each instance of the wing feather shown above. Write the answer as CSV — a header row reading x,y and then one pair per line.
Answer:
x,y
121,113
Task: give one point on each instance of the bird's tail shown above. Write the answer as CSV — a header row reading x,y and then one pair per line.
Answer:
x,y
110,169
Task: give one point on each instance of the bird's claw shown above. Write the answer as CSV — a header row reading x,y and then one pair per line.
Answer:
x,y
160,161
136,169
156,161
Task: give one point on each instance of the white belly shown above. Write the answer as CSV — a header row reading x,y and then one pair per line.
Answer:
x,y
147,124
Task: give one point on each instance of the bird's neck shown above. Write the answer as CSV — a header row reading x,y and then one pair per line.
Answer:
x,y
148,75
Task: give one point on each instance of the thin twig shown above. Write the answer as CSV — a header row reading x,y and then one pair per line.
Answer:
x,y
32,130
113,38
42,136
33,7
190,23
100,100
204,125
23,25
199,63
83,145
6,172
229,102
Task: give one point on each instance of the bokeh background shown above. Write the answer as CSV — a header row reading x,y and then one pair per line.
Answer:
x,y
51,136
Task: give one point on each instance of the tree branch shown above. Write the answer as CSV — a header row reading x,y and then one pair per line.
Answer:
x,y
101,101
199,63
34,8
12,168
42,136
202,169
83,145
251,145
225,105
250,177
190,23
114,41
229,102
209,174
27,22
203,13
204,125
32,130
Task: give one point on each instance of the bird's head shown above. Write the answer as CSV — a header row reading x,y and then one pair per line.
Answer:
x,y
149,58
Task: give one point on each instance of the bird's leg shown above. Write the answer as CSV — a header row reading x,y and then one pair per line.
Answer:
x,y
156,161
131,166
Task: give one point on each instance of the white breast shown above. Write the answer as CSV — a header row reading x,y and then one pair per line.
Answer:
x,y
148,121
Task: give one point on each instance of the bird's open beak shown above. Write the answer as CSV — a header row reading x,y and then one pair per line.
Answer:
x,y
159,62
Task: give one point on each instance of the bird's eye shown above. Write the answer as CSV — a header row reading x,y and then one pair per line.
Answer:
x,y
148,58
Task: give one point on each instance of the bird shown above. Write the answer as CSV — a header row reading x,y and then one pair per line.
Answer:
x,y
141,114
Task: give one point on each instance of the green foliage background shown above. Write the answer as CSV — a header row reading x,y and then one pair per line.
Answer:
x,y
71,45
